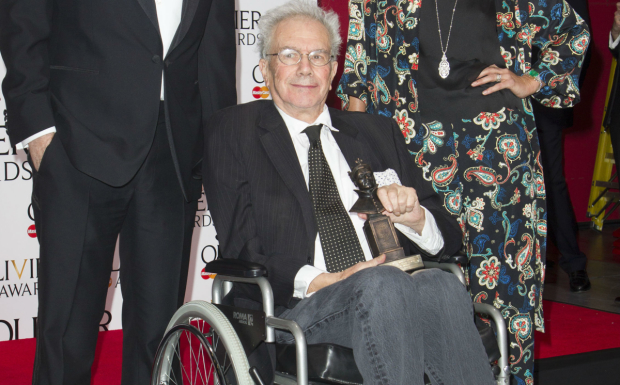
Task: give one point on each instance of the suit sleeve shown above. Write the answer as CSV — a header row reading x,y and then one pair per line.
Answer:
x,y
24,44
229,198
563,38
412,176
360,58
217,60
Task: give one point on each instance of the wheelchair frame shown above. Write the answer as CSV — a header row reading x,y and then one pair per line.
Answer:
x,y
223,283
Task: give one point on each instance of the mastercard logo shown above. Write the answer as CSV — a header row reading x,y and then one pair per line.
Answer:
x,y
205,275
260,92
32,231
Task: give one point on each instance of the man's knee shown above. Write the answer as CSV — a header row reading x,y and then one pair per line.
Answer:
x,y
384,288
438,285
381,278
437,277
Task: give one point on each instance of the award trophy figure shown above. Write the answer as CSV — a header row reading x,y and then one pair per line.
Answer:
x,y
378,228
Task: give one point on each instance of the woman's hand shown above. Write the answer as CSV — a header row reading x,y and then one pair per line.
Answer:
x,y
521,86
356,104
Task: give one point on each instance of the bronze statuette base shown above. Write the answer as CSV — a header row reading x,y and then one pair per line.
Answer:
x,y
382,239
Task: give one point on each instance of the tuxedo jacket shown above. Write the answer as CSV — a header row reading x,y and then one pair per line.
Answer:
x,y
259,199
612,112
93,70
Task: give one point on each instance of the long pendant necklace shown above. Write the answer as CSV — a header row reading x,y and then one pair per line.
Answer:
x,y
444,66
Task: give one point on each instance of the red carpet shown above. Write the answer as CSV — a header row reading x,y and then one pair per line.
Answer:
x,y
17,359
573,329
570,330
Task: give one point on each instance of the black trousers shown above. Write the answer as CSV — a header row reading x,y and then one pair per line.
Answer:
x,y
78,221
562,226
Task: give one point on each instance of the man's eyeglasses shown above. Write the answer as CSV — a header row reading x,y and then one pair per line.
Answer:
x,y
291,57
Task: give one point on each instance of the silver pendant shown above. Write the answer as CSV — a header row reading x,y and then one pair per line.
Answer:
x,y
444,67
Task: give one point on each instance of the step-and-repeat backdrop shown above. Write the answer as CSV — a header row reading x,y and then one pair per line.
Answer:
x,y
19,249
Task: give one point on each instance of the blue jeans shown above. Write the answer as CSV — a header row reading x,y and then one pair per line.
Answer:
x,y
399,326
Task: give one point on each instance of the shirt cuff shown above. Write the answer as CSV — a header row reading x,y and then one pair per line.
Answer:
x,y
24,143
613,43
430,240
304,277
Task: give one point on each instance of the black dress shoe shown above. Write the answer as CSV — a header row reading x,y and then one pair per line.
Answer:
x,y
579,281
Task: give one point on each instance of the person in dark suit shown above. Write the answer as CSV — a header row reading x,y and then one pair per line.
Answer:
x,y
550,123
612,115
109,97
277,183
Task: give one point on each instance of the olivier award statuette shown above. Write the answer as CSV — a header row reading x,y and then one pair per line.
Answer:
x,y
378,228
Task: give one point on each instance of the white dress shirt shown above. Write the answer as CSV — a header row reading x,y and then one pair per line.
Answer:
x,y
430,240
169,17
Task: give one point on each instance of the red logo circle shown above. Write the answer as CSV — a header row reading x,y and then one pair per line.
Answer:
x,y
32,231
206,275
260,92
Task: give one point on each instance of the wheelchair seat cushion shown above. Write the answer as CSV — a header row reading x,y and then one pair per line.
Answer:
x,y
327,363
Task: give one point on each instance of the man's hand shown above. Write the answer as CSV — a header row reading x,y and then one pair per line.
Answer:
x,y
615,28
37,148
326,279
402,206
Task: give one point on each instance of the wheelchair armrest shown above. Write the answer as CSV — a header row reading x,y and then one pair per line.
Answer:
x,y
458,258
236,268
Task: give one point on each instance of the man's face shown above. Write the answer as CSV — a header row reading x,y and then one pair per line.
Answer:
x,y
365,179
300,89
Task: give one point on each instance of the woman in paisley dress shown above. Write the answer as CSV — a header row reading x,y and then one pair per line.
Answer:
x,y
472,132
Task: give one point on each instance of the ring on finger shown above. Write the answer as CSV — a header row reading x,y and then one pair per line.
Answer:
x,y
498,78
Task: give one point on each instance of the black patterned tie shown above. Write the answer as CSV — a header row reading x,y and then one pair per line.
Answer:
x,y
341,247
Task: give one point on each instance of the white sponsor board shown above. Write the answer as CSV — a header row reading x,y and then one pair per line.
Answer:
x,y
19,249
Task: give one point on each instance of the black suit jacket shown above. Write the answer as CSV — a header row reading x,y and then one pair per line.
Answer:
x,y
257,194
612,112
93,70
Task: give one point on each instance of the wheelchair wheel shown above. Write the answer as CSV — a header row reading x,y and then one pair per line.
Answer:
x,y
200,347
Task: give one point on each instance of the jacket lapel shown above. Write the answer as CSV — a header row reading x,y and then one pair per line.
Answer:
x,y
353,147
189,10
151,11
278,144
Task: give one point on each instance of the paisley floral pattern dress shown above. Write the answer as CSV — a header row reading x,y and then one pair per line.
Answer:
x,y
480,153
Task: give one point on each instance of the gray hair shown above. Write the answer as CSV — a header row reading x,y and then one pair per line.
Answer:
x,y
297,8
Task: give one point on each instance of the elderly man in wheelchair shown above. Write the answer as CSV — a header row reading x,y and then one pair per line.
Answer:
x,y
277,184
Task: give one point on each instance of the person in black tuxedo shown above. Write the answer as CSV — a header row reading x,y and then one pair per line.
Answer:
x,y
277,183
550,123
612,114
109,97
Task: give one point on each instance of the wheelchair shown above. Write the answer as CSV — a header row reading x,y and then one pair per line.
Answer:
x,y
209,343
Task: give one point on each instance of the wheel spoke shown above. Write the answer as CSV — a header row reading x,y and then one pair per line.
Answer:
x,y
194,353
178,353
